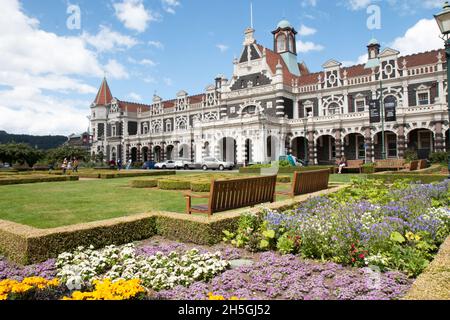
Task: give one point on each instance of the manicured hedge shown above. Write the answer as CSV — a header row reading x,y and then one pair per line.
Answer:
x,y
26,180
414,177
27,245
285,170
284,179
200,231
168,184
144,183
201,186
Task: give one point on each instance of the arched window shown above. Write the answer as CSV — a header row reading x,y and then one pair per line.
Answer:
x,y
291,43
249,110
281,43
333,109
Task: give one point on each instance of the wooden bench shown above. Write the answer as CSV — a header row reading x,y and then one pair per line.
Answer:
x,y
308,182
227,195
351,165
397,164
423,164
414,165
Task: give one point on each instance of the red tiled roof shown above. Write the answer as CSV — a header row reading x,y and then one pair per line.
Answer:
x,y
192,99
133,107
272,59
104,96
420,59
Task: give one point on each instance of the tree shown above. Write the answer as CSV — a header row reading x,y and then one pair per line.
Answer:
x,y
20,153
66,151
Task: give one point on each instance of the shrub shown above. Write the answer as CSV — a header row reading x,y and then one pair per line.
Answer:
x,y
37,179
439,157
368,168
200,186
411,155
167,184
283,179
144,183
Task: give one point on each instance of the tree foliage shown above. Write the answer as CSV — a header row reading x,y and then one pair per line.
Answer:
x,y
66,151
19,153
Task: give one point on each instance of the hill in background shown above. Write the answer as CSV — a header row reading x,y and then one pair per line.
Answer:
x,y
41,142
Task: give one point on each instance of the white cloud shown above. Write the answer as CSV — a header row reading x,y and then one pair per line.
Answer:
x,y
134,96
144,62
306,31
108,40
116,70
149,79
134,15
27,110
222,47
170,5
309,3
361,60
168,82
358,4
423,36
156,44
304,47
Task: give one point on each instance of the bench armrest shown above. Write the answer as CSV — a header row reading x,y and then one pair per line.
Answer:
x,y
196,196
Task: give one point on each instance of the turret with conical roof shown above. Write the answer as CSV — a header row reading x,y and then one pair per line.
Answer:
x,y
104,96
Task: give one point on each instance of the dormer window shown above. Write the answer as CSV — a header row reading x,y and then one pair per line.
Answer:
x,y
281,43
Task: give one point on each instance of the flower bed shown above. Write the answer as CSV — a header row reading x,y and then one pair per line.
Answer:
x,y
396,227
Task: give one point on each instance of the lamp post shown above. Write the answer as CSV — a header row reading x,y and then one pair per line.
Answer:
x,y
443,21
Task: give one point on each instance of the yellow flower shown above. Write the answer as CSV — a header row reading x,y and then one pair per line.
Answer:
x,y
107,290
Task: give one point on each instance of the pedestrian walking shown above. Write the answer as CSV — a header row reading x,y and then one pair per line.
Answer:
x,y
64,166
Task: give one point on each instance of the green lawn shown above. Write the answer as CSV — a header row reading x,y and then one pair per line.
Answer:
x,y
48,205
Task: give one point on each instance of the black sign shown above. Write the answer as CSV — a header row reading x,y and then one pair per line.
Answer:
x,y
374,111
390,112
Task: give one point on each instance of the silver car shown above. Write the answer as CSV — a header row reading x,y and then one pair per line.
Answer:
x,y
215,164
184,164
169,164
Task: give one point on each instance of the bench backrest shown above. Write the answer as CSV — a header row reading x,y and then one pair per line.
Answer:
x,y
355,163
422,164
414,165
239,193
310,181
394,163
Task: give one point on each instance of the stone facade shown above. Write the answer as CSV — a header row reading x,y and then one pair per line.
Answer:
x,y
272,106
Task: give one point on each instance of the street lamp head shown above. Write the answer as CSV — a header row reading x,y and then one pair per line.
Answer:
x,y
443,19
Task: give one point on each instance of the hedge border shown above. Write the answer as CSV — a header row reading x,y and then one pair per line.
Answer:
x,y
434,282
27,245
284,170
429,178
5,182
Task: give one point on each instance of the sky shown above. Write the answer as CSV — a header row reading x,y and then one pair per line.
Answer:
x,y
54,53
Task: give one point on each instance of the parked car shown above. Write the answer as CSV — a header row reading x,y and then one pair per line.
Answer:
x,y
169,164
149,165
184,164
215,164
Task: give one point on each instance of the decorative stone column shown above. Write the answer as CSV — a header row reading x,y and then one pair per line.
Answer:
x,y
338,143
163,151
150,152
312,148
127,153
369,144
192,149
280,107
401,141
438,137
138,153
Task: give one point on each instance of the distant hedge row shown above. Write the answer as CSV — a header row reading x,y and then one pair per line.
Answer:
x,y
181,184
424,178
26,180
118,174
285,170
